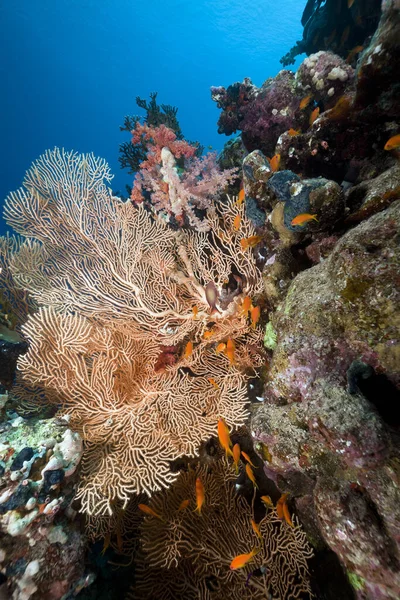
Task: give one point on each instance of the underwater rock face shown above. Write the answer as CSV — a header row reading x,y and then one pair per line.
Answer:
x,y
329,428
41,546
380,64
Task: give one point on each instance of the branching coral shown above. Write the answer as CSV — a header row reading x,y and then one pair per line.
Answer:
x,y
206,544
171,193
115,286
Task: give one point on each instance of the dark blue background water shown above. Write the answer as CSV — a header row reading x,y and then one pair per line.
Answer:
x,y
71,69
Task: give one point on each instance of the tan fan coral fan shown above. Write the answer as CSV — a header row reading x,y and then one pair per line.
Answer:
x,y
210,541
116,287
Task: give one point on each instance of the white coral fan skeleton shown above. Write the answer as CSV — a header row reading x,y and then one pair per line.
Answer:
x,y
115,286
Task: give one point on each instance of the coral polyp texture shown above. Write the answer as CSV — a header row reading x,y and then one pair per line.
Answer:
x,y
184,542
122,299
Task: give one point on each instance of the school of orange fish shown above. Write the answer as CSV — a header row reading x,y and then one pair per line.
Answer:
x,y
235,452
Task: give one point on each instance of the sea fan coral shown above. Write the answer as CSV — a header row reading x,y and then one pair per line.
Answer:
x,y
116,287
185,541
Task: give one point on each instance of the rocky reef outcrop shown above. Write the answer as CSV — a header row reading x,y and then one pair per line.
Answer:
x,y
327,430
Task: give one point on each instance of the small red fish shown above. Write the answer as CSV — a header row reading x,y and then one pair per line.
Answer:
x,y
345,36
200,495
224,437
236,456
248,459
208,333
220,348
286,514
314,115
188,350
353,52
392,143
246,305
241,197
230,351
250,475
256,529
255,316
149,511
183,505
195,311
341,109
275,162
213,383
305,102
279,506
250,242
236,222
242,559
293,132
303,219
267,501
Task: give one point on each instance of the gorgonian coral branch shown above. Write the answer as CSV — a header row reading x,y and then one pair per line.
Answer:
x,y
209,542
116,287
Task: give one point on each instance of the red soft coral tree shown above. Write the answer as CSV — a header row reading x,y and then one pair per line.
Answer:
x,y
172,194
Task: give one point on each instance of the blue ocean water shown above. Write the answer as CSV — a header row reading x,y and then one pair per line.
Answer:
x,y
71,69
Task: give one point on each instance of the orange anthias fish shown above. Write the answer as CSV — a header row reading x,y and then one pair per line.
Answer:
x,y
248,459
286,514
224,437
195,311
183,505
242,559
209,333
341,109
250,475
236,222
305,102
279,505
188,350
246,305
250,242
200,495
353,52
255,316
392,143
293,132
149,511
275,162
303,219
256,529
345,36
241,197
314,115
236,456
220,348
213,383
230,351
267,501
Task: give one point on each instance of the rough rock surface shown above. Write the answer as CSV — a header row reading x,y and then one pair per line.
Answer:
x,y
329,418
41,545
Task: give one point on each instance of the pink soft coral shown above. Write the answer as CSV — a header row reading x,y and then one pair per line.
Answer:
x,y
172,194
